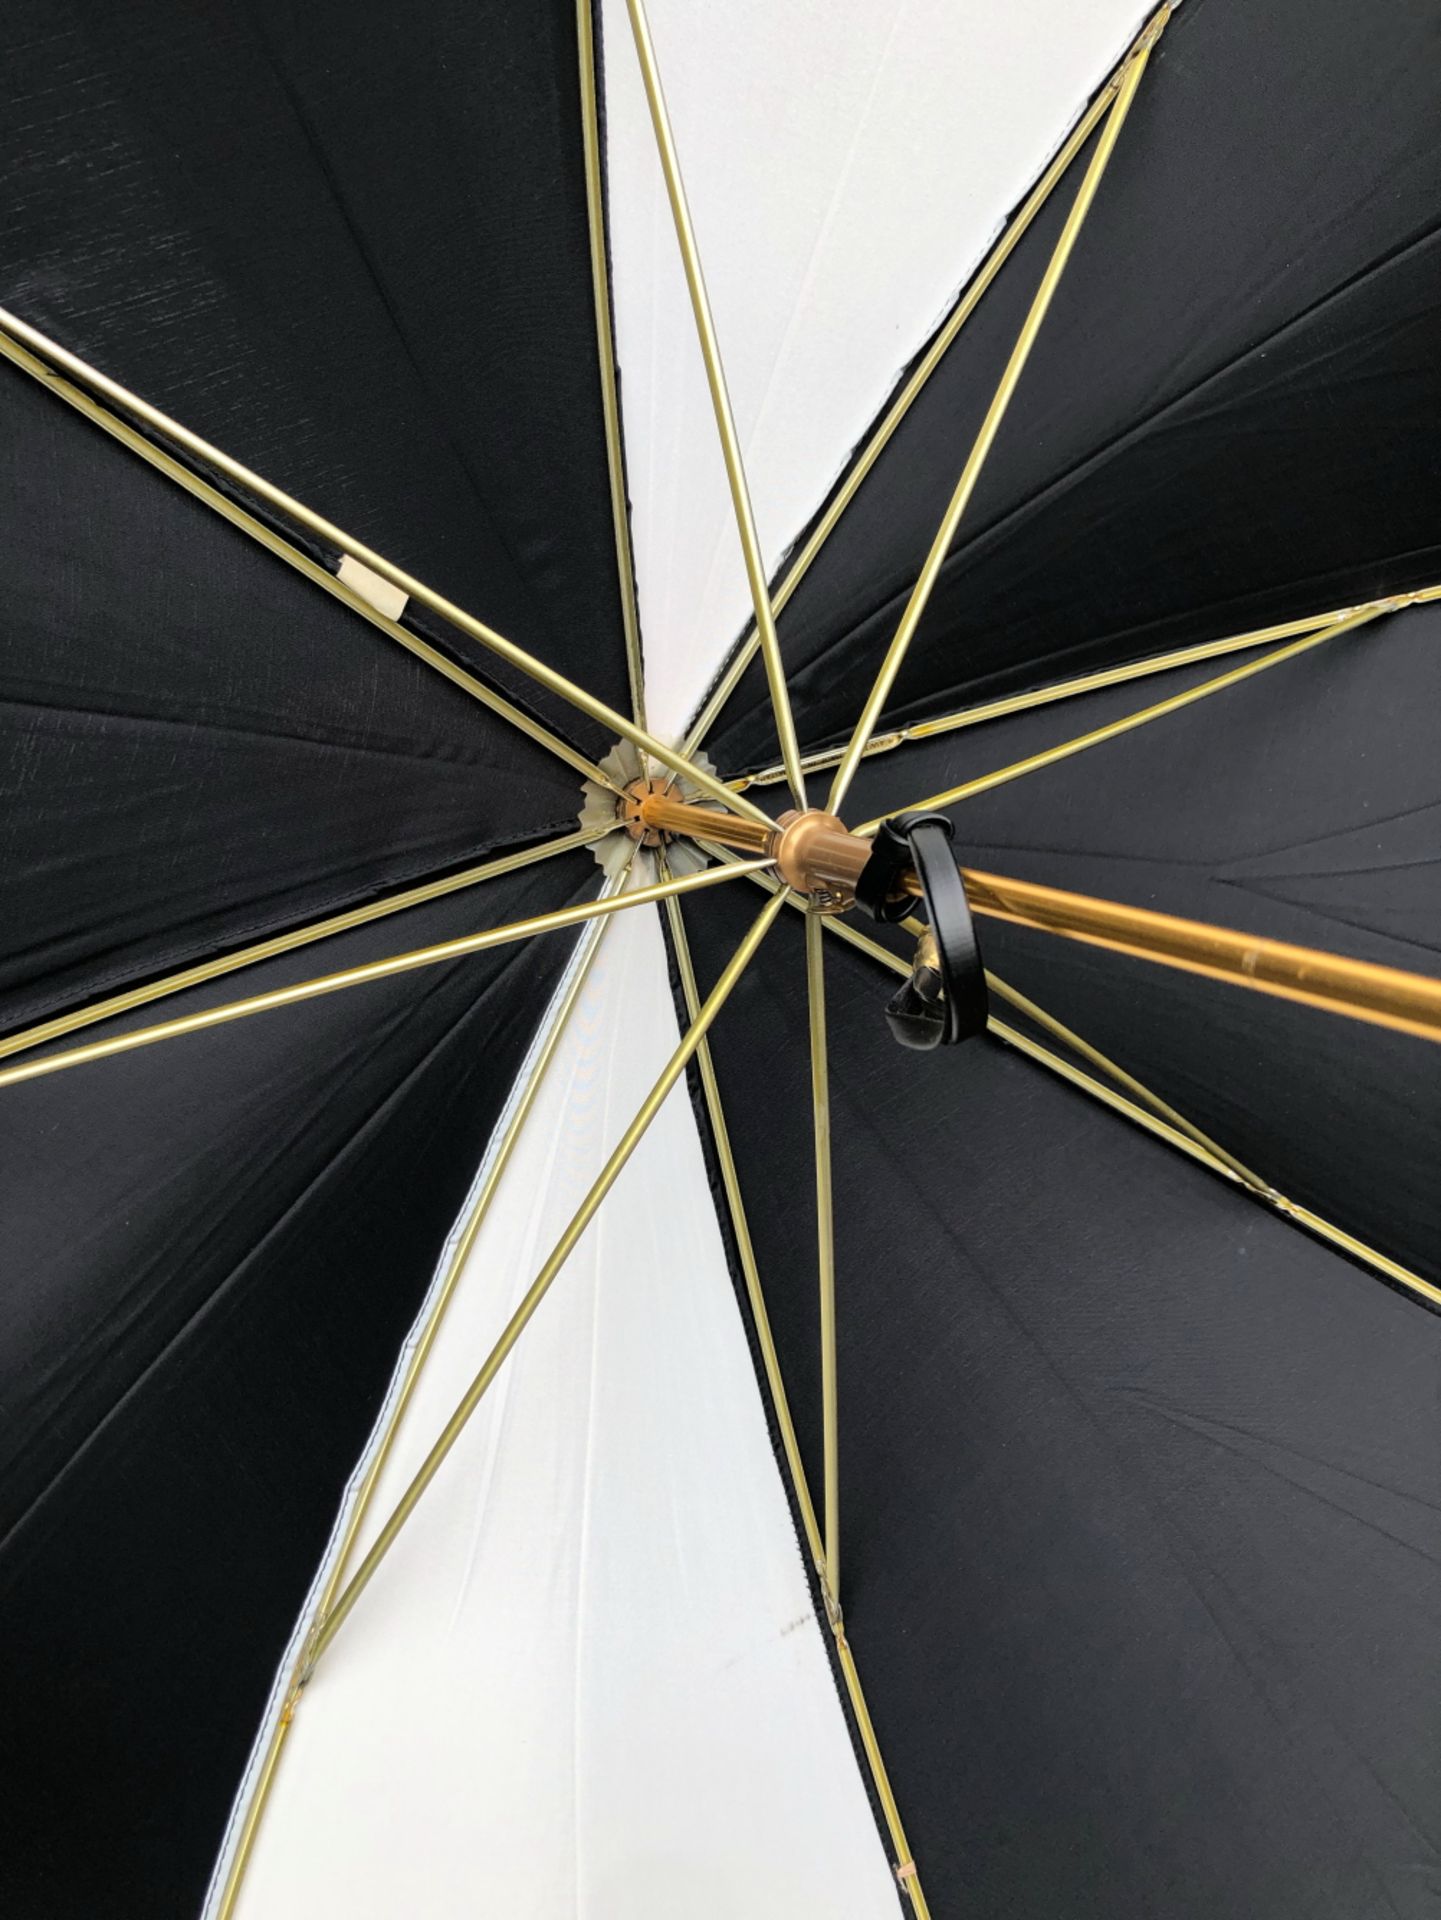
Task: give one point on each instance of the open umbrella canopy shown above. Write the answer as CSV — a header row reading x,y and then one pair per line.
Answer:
x,y
518,1395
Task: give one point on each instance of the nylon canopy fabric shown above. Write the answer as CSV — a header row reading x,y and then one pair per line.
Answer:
x,y
856,176
1137,1515
212,1249
346,244
604,1576
1304,805
1227,417
1138,1484
200,748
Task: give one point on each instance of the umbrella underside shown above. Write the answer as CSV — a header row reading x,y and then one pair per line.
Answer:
x,y
999,1482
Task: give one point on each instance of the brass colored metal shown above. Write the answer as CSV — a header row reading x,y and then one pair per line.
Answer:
x,y
445,1291
336,585
720,401
995,413
629,810
245,1842
26,336
905,1867
679,817
286,943
1382,996
1161,1120
817,856
826,1256
1048,757
361,976
605,353
971,297
771,1362
730,1179
815,851
1312,1222
1059,690
561,1252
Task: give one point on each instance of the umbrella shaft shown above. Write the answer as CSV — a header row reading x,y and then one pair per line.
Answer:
x,y
814,851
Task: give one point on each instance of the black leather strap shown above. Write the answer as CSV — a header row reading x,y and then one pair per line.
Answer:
x,y
876,890
947,1003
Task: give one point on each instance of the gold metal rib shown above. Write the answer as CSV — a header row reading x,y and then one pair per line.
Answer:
x,y
1034,762
995,413
720,402
731,1180
540,1286
556,1028
770,1360
1289,1209
1057,690
825,1252
605,353
556,683
319,576
372,970
970,299
286,942
534,1076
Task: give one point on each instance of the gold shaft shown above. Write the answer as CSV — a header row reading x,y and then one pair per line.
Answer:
x,y
906,398
990,426
720,402
195,976
540,1286
363,975
825,1253
679,816
1049,756
319,576
605,353
1381,996
1161,1120
326,530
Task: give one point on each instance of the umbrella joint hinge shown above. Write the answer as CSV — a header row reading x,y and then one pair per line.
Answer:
x,y
835,1618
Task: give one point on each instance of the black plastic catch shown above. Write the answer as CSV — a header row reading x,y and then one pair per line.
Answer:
x,y
944,1001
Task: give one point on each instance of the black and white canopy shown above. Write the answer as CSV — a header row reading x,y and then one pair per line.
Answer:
x,y
1034,1515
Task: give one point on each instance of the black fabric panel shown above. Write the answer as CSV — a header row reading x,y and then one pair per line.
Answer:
x,y
212,1249
1138,1484
197,746
1230,416
348,245
1304,804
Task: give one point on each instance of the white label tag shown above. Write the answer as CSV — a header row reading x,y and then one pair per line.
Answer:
x,y
370,586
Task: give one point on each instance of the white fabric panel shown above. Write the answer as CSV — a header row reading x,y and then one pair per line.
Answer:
x,y
589,1680
846,168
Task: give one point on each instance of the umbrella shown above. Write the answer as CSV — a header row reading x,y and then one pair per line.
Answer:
x,y
954,491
